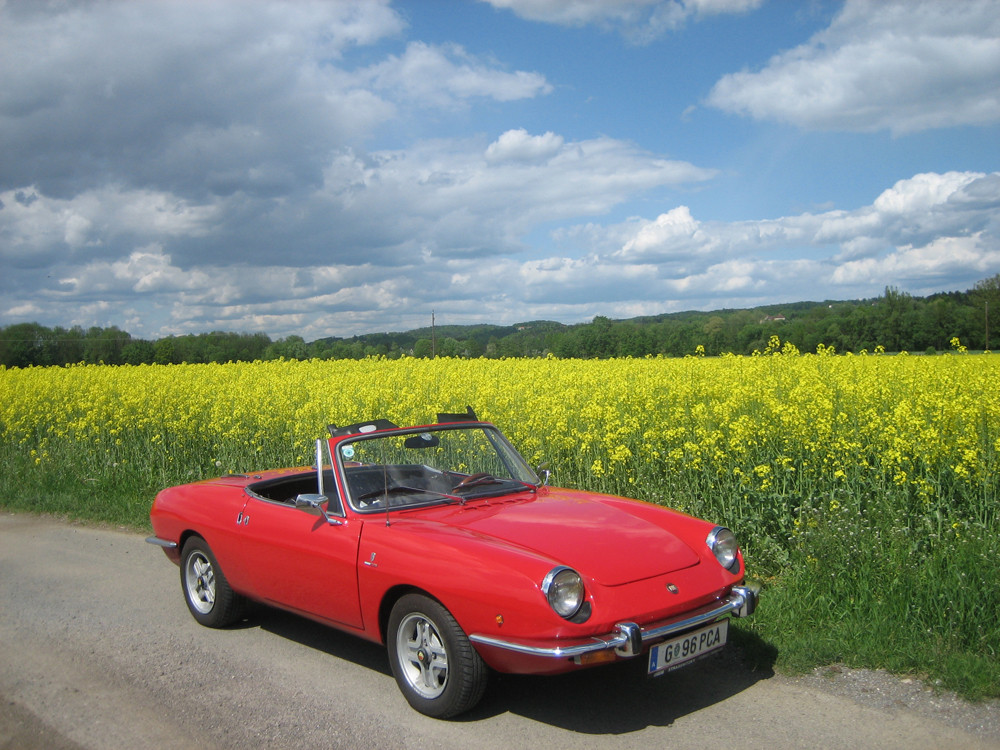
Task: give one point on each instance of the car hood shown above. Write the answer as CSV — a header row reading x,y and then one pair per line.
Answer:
x,y
598,539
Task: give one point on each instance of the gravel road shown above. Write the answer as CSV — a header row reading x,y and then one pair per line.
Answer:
x,y
98,651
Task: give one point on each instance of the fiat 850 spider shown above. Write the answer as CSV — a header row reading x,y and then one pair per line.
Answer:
x,y
440,542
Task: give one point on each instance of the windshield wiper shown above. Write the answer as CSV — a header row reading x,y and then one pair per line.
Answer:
x,y
507,486
478,482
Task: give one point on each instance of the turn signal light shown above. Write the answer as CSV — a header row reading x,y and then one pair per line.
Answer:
x,y
596,657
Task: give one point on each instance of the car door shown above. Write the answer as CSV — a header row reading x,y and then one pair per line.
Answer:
x,y
298,561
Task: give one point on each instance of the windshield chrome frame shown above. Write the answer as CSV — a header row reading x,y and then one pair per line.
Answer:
x,y
506,453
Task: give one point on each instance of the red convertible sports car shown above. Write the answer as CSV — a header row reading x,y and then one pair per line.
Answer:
x,y
442,543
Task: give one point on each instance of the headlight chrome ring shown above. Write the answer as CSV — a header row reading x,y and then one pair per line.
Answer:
x,y
722,542
563,587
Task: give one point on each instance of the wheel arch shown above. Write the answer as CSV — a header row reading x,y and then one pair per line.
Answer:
x,y
183,539
389,599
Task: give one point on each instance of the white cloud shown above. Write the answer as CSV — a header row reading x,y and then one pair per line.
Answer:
x,y
260,165
919,233
915,234
579,12
674,230
445,77
469,199
923,192
437,200
639,21
903,66
716,7
518,145
182,96
146,270
925,265
42,228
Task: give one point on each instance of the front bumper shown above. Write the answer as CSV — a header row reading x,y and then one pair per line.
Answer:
x,y
629,639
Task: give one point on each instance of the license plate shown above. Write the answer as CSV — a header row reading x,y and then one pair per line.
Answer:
x,y
677,651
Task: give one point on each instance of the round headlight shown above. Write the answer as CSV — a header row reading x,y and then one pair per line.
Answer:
x,y
722,542
563,587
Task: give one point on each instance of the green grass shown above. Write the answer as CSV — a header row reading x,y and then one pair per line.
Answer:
x,y
876,587
65,488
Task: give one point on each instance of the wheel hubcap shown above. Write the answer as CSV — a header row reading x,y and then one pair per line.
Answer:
x,y
422,655
200,580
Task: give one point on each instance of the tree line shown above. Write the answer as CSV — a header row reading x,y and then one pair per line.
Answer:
x,y
895,321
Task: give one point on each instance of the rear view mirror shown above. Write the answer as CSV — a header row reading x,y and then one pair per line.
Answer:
x,y
423,440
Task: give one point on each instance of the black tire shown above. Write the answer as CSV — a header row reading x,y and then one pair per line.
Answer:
x,y
206,591
435,665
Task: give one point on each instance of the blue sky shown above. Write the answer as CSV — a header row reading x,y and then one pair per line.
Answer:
x,y
334,168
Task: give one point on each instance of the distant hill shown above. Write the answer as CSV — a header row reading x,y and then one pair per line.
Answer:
x,y
895,321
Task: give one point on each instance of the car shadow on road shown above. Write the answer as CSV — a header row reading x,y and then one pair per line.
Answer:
x,y
319,637
622,698
613,699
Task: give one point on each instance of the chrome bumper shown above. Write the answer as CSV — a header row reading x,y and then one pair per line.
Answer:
x,y
166,544
628,638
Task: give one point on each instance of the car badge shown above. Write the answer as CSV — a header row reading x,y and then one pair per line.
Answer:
x,y
672,588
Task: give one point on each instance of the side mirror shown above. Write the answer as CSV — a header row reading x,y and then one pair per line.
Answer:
x,y
544,472
313,503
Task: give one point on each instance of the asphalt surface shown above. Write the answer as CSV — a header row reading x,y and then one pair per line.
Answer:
x,y
97,650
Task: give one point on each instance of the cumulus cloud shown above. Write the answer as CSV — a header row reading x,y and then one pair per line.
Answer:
x,y
146,270
518,145
678,262
457,199
180,167
438,200
921,231
675,231
642,266
39,229
448,76
638,20
212,99
902,66
183,96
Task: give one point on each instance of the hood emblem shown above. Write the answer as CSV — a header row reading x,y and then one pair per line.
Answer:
x,y
672,588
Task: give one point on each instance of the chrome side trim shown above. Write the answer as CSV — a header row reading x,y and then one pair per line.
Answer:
x,y
627,637
161,542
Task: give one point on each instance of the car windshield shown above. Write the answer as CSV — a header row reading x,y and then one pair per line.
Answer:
x,y
431,465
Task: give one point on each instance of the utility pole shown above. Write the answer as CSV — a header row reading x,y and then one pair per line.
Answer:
x,y
434,339
986,320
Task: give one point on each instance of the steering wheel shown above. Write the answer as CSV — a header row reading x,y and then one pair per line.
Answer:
x,y
473,478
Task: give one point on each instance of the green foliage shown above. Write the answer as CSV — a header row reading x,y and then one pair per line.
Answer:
x,y
867,584
896,321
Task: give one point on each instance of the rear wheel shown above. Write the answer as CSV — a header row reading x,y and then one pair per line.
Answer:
x,y
435,665
208,595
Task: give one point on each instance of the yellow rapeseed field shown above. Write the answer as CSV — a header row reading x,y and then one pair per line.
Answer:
x,y
770,426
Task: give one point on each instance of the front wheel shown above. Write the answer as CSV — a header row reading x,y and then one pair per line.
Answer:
x,y
435,665
208,595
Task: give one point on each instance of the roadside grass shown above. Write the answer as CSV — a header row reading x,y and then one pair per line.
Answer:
x,y
68,491
869,592
864,490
